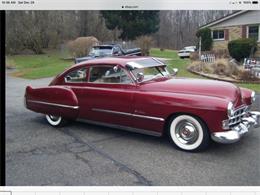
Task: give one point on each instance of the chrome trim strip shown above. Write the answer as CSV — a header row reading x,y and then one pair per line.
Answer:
x,y
126,128
128,114
148,117
53,104
159,61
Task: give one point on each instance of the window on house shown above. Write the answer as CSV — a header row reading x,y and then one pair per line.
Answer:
x,y
218,34
253,32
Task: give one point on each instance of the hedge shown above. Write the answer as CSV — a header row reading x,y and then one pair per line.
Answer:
x,y
206,39
242,48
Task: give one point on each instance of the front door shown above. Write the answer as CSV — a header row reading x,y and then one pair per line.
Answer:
x,y
107,96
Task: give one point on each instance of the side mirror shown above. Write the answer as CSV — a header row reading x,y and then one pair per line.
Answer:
x,y
175,71
115,68
67,78
140,77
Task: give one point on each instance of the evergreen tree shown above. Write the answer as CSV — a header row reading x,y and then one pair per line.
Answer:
x,y
132,23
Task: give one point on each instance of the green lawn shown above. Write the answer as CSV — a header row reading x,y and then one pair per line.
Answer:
x,y
182,64
174,62
38,66
51,64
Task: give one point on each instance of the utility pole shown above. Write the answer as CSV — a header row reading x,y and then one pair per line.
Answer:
x,y
200,48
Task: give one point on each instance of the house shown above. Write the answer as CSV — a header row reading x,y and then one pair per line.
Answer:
x,y
240,24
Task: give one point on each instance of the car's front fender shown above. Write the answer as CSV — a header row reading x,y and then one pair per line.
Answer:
x,y
212,110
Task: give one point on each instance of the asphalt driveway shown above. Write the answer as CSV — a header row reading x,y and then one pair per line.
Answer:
x,y
83,154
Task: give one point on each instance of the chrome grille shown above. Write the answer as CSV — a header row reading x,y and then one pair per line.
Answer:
x,y
238,115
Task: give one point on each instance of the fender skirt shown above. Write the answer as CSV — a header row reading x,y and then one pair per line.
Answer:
x,y
54,100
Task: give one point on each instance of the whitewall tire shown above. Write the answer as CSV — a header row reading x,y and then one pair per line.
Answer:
x,y
55,121
188,133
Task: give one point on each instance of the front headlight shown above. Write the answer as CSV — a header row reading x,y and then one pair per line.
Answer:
x,y
253,97
230,109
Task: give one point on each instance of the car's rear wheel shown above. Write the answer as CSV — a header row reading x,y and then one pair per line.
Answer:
x,y
188,133
55,121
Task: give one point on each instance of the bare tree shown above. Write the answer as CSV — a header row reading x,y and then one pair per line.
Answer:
x,y
40,30
178,27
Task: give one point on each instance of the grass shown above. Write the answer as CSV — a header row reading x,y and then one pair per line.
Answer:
x,y
255,87
51,64
181,64
174,61
38,66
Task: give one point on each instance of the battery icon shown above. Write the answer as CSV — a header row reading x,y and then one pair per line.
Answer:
x,y
254,2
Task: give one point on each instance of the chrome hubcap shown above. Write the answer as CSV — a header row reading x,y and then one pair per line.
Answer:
x,y
54,118
186,132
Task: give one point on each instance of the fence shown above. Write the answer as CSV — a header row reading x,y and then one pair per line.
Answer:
x,y
208,58
253,64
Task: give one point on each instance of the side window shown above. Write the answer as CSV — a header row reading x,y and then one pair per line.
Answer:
x,y
108,74
116,50
75,76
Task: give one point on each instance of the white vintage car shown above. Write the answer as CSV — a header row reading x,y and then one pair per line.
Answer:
x,y
186,51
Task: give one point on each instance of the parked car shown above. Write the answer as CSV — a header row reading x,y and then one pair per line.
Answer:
x,y
186,51
100,51
142,94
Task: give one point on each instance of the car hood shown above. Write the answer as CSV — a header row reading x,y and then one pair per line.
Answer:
x,y
203,87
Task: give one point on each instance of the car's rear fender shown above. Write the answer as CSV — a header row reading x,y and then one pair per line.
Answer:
x,y
54,100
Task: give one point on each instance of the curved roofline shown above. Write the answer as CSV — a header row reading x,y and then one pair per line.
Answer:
x,y
117,60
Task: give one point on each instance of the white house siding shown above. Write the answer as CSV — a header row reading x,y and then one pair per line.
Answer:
x,y
247,18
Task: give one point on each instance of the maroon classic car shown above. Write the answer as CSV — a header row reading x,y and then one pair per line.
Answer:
x,y
142,94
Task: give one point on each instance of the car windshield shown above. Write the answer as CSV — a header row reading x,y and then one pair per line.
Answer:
x,y
101,51
152,72
189,48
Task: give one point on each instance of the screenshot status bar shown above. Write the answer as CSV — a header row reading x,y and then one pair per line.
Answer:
x,y
129,5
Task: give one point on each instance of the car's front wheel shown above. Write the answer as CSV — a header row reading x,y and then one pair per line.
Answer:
x,y
188,133
55,121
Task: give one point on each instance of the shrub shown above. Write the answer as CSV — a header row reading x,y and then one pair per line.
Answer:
x,y
194,56
145,43
206,39
196,66
207,68
245,75
221,53
242,48
81,46
222,67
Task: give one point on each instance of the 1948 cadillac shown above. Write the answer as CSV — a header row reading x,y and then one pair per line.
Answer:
x,y
142,94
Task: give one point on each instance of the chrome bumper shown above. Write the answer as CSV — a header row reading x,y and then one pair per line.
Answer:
x,y
236,132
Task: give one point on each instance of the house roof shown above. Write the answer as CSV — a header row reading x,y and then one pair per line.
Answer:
x,y
222,19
